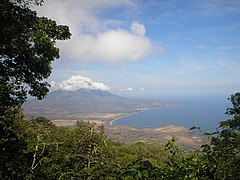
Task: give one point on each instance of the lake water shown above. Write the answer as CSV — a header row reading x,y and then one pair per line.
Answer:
x,y
205,112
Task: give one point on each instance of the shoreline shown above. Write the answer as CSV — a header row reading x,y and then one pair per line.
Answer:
x,y
121,117
148,109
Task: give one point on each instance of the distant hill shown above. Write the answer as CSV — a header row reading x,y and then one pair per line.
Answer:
x,y
62,104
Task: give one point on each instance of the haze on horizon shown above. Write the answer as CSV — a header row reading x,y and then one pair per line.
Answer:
x,y
143,48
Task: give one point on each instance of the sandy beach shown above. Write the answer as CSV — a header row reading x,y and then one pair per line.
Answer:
x,y
143,110
121,117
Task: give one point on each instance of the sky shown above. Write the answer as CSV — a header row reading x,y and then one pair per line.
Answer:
x,y
144,48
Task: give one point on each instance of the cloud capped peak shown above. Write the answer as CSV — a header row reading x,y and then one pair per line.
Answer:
x,y
79,82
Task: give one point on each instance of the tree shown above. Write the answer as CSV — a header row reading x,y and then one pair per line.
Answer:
x,y
65,153
221,158
27,49
224,150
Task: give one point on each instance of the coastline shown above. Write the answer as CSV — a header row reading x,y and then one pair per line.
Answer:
x,y
148,109
110,123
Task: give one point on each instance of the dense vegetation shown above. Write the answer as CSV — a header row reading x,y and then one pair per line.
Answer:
x,y
40,150
36,149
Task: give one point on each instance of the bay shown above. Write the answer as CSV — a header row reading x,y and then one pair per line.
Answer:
x,y
204,112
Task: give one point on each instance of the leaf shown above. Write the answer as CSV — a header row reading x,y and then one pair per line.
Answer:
x,y
207,133
193,128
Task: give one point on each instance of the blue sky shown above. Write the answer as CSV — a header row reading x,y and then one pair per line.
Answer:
x,y
149,47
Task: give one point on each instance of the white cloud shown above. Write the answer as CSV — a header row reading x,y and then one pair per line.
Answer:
x,y
138,28
126,89
79,82
79,15
91,40
53,85
141,89
114,46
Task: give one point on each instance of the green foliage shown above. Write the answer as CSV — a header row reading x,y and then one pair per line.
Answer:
x,y
224,150
51,152
217,160
64,152
27,48
37,149
12,145
139,169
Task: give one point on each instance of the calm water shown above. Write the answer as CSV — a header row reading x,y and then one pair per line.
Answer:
x,y
206,112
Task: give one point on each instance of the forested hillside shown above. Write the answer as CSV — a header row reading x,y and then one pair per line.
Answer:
x,y
36,149
41,150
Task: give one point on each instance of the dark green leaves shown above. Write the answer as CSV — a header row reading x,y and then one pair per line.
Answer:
x,y
27,48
